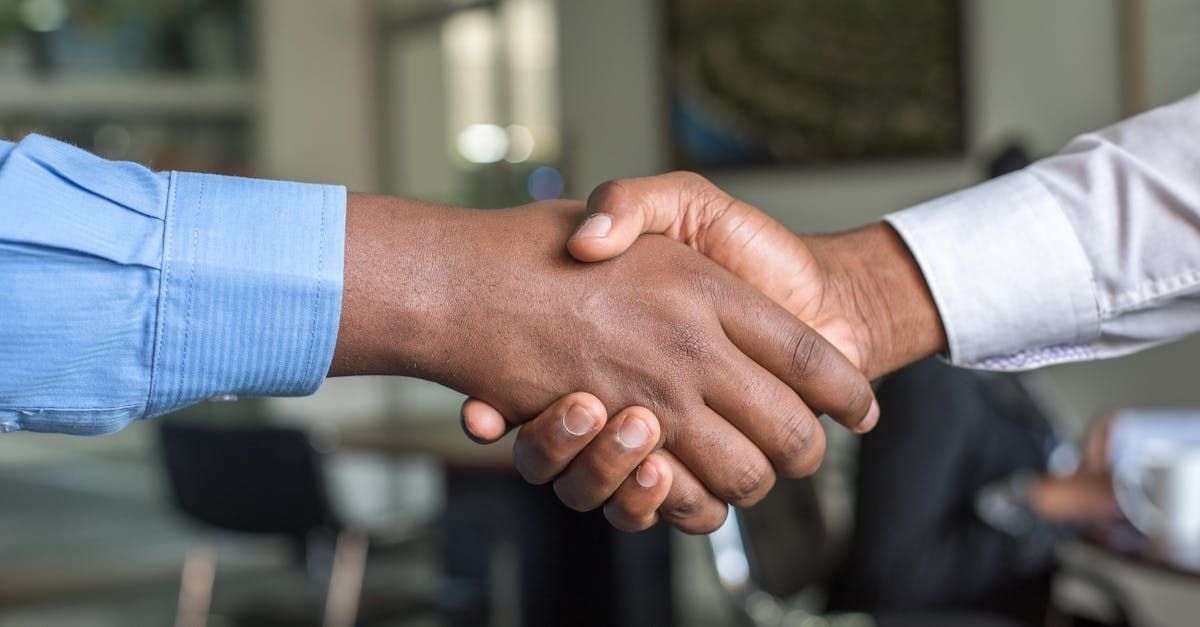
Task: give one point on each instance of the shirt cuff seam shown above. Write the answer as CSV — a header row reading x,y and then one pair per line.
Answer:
x,y
1089,328
164,277
191,281
1145,295
45,408
312,337
1037,357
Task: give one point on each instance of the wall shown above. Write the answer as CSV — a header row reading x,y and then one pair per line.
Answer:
x,y
315,92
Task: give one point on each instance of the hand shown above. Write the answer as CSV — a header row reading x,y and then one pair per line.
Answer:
x,y
861,290
593,461
1080,498
592,458
430,289
1085,496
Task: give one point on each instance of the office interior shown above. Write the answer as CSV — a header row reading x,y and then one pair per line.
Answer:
x,y
493,103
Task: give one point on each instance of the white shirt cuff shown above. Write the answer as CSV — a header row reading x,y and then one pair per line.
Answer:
x,y
1010,279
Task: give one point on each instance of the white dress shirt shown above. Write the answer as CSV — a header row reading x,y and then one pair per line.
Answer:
x,y
1091,253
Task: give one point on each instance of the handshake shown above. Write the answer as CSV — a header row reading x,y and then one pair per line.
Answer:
x,y
670,358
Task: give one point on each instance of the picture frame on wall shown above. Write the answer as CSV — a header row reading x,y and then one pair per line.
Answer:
x,y
760,83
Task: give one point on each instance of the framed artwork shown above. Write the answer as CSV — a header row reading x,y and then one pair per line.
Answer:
x,y
787,82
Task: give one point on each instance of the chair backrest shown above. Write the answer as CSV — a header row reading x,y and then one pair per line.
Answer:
x,y
787,545
774,550
258,479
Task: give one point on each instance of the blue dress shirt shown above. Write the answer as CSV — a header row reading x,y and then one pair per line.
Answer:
x,y
127,294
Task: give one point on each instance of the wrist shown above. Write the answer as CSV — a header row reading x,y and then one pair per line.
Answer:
x,y
878,286
396,289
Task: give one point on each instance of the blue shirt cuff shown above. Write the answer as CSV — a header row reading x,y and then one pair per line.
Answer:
x,y
251,289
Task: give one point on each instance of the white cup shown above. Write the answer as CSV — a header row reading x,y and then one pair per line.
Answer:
x,y
1158,489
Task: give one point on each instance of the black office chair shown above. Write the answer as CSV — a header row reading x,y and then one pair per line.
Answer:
x,y
270,480
775,561
775,558
256,479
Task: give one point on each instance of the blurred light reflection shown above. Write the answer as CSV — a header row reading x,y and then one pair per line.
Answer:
x,y
545,183
483,143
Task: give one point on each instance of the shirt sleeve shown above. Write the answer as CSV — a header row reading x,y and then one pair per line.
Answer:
x,y
1091,253
126,294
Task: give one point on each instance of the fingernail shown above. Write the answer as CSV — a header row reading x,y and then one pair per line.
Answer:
x,y
868,421
577,421
647,476
633,433
596,226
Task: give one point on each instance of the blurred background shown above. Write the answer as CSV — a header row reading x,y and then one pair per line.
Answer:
x,y
825,114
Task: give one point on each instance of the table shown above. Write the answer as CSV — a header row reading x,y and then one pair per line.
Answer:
x,y
574,568
1123,541
1122,582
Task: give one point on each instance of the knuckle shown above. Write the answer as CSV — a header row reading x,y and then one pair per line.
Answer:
x,y
685,505
617,519
705,281
709,201
607,196
573,498
665,395
534,461
530,473
750,484
707,523
692,342
618,506
623,516
806,354
693,179
639,525
858,397
808,462
586,400
710,525
796,440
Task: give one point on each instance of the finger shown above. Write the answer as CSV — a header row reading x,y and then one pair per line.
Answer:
x,y
482,422
769,413
596,473
689,506
798,356
732,467
634,506
548,443
624,209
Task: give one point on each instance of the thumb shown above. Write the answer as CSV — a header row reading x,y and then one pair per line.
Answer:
x,y
620,211
482,422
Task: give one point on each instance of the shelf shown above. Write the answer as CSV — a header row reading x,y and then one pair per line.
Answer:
x,y
122,95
